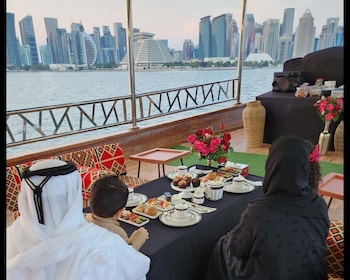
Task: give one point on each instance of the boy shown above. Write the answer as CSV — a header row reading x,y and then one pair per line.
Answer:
x,y
107,201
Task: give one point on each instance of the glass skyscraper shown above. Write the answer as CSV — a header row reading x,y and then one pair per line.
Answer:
x,y
28,38
13,58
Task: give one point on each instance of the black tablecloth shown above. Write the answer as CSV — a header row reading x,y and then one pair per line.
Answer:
x,y
288,114
182,253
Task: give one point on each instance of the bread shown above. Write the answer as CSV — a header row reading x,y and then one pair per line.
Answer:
x,y
182,184
150,210
211,175
140,208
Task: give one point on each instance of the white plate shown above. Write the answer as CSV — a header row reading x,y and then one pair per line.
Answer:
x,y
146,215
188,189
172,174
247,188
192,218
133,223
138,199
170,207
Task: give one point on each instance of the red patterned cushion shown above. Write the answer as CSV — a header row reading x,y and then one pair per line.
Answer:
x,y
13,186
111,157
335,244
86,157
88,176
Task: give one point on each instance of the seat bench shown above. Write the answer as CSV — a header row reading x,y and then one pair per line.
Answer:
x,y
92,163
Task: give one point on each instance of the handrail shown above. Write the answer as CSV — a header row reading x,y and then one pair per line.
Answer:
x,y
49,122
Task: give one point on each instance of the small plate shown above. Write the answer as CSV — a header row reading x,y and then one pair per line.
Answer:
x,y
230,170
169,219
138,199
188,189
172,174
145,221
247,188
146,215
159,207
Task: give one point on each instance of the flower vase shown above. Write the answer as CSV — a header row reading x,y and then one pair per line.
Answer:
x,y
209,161
324,139
254,123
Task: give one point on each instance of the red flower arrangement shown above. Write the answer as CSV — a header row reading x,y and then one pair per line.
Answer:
x,y
329,108
209,146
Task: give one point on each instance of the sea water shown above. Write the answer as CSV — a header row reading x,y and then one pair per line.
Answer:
x,y
32,89
35,89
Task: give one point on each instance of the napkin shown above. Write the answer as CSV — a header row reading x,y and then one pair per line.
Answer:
x,y
200,208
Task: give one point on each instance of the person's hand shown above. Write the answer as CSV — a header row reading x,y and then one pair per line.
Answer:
x,y
143,231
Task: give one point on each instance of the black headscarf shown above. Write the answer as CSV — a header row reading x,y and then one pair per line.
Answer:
x,y
285,184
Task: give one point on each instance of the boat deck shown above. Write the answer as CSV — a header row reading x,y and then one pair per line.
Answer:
x,y
239,143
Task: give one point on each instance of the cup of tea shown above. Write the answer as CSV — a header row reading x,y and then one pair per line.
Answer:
x,y
131,194
180,210
181,170
238,182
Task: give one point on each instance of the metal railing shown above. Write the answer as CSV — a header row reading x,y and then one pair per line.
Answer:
x,y
49,122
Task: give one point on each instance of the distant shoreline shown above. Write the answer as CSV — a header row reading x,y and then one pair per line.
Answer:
x,y
145,70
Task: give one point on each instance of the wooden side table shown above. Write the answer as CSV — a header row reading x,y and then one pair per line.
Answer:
x,y
160,156
332,185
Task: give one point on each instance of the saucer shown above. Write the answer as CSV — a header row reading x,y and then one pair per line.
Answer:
x,y
245,189
191,218
137,199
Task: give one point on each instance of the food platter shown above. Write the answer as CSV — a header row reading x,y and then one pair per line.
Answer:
x,y
184,192
138,198
159,204
190,188
133,219
172,174
245,189
230,170
146,215
191,218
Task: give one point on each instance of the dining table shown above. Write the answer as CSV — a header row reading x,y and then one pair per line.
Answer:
x,y
178,252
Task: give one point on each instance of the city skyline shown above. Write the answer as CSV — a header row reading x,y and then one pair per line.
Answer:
x,y
175,23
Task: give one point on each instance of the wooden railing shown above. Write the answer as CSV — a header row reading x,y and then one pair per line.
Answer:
x,y
50,122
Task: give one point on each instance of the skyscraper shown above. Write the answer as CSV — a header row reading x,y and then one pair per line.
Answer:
x,y
188,50
287,24
249,36
120,40
28,38
51,24
220,35
83,46
12,45
328,34
204,48
270,37
304,35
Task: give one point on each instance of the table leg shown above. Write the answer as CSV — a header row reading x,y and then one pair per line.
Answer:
x,y
329,202
138,170
163,170
182,162
158,170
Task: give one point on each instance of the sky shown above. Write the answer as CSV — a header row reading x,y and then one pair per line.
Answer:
x,y
175,21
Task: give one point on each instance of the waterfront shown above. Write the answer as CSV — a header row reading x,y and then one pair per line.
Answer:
x,y
30,90
33,89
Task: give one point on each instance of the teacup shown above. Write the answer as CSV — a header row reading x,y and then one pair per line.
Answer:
x,y
181,170
131,194
180,210
238,182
